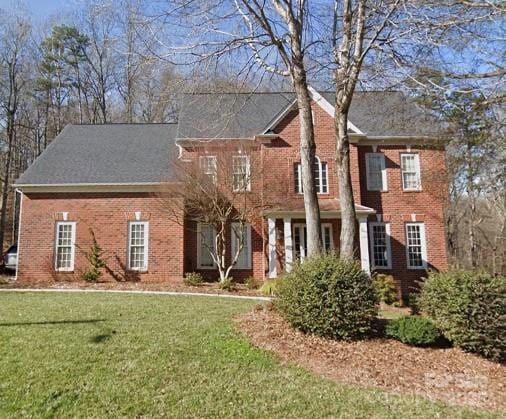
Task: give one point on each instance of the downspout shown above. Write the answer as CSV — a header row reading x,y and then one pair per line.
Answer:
x,y
19,230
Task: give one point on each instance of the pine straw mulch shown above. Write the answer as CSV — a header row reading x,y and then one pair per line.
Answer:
x,y
449,374
206,287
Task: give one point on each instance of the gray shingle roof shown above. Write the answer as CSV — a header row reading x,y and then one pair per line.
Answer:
x,y
229,115
242,115
388,114
110,153
142,153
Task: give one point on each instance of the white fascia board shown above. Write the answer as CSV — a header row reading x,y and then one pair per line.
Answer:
x,y
329,108
281,116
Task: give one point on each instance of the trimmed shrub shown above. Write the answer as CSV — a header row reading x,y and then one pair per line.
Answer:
x,y
252,283
193,279
413,330
328,297
227,284
469,308
384,286
270,287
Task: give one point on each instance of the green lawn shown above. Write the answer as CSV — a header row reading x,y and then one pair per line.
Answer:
x,y
98,355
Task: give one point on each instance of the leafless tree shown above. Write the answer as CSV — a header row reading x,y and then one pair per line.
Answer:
x,y
14,33
214,190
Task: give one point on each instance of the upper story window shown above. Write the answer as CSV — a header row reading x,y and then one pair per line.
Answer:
x,y
320,177
65,246
380,245
410,171
241,174
376,172
138,245
209,167
416,247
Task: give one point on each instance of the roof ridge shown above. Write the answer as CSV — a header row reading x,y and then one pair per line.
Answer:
x,y
122,123
253,92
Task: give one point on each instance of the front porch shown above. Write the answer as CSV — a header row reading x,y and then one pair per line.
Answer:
x,y
287,236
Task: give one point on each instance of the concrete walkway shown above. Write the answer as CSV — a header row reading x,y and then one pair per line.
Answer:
x,y
189,294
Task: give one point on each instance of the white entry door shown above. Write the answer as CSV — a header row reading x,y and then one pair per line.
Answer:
x,y
300,243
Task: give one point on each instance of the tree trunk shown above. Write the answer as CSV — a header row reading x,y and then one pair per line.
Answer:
x,y
6,179
348,216
307,160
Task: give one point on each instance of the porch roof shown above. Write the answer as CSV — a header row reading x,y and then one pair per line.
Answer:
x,y
329,208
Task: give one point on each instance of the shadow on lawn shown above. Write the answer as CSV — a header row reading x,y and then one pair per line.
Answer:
x,y
101,338
51,322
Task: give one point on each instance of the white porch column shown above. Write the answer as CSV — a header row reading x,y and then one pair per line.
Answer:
x,y
287,223
364,245
271,225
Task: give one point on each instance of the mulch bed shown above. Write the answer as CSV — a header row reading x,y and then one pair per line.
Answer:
x,y
207,287
449,374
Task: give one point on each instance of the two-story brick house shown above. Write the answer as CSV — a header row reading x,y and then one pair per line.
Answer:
x,y
106,177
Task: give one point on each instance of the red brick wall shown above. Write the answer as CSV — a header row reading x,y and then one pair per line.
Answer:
x,y
108,215
399,207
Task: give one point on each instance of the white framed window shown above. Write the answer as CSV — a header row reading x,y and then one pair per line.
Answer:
x,y
241,173
138,239
410,172
209,166
65,246
321,177
376,172
416,247
381,252
244,259
206,239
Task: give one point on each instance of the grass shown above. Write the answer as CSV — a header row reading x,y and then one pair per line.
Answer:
x,y
117,355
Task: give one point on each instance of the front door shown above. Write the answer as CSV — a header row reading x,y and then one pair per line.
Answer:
x,y
300,243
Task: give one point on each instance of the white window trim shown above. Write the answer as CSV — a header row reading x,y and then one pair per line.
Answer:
x,y
248,173
203,166
303,239
423,244
72,246
384,181
319,187
389,246
199,249
247,231
146,245
418,172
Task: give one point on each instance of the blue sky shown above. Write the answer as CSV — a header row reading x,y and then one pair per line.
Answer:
x,y
41,8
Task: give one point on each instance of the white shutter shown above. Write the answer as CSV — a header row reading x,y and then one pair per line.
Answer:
x,y
206,236
244,259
